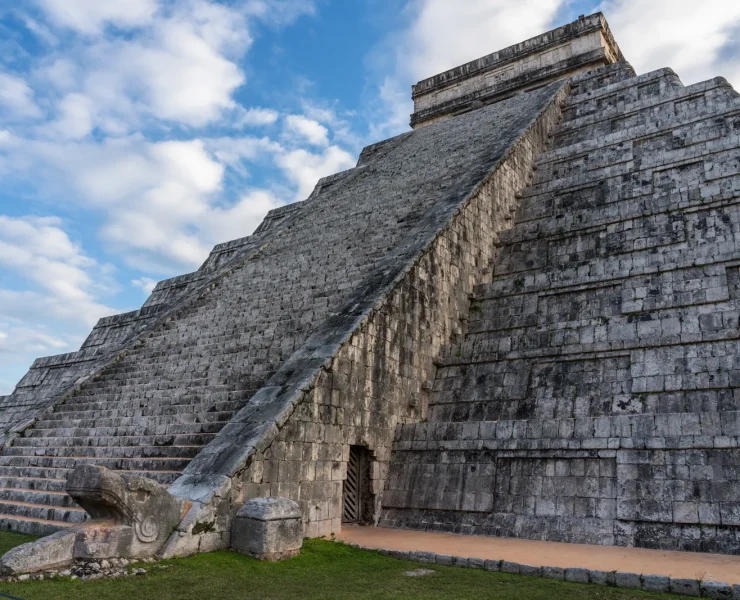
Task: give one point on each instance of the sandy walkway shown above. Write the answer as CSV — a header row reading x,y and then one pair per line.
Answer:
x,y
688,565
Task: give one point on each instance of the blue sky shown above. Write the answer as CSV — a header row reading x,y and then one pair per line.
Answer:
x,y
136,135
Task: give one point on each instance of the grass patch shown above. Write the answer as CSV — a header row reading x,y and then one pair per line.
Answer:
x,y
324,570
10,540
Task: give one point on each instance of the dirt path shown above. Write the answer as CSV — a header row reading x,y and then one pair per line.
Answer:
x,y
690,565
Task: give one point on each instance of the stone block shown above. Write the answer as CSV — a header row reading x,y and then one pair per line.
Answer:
x,y
577,575
656,583
553,572
422,557
685,587
530,570
494,566
716,590
460,561
268,529
53,551
602,577
627,580
509,567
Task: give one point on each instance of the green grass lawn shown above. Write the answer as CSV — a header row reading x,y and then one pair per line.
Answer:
x,y
324,570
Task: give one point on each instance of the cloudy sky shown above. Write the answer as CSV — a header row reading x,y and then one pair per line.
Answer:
x,y
136,134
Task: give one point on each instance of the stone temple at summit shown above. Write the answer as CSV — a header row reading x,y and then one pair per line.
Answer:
x,y
518,319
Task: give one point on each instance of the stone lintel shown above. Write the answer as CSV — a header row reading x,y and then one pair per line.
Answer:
x,y
584,44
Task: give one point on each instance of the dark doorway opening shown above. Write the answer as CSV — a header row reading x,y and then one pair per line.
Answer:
x,y
357,501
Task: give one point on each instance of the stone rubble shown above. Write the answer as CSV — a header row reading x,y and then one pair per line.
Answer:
x,y
89,571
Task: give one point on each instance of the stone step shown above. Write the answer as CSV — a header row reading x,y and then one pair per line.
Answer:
x,y
29,526
166,429
614,160
673,142
57,476
115,464
39,484
682,131
69,515
630,179
629,86
713,96
61,499
115,402
103,386
720,91
197,439
601,77
655,86
105,451
141,422
128,386
570,220
602,269
147,411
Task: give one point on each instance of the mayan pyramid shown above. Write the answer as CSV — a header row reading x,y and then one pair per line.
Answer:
x,y
518,319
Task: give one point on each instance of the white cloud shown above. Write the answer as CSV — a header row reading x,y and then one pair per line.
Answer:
x,y
182,70
233,151
242,218
157,210
181,76
126,99
40,251
687,36
22,340
75,121
145,284
279,12
17,97
256,117
305,168
337,121
306,129
161,202
91,16
60,301
446,34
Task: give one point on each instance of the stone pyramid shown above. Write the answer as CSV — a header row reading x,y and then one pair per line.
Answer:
x,y
518,319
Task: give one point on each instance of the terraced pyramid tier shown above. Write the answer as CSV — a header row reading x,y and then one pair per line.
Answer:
x,y
595,397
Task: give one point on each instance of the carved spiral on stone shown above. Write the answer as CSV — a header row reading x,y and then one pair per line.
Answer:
x,y
147,530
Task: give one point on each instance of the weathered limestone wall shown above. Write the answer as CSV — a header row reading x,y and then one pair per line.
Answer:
x,y
594,398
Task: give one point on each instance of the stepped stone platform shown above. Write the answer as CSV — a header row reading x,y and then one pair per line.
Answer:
x,y
519,319
594,396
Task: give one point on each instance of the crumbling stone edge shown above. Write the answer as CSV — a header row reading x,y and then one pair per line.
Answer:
x,y
649,583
